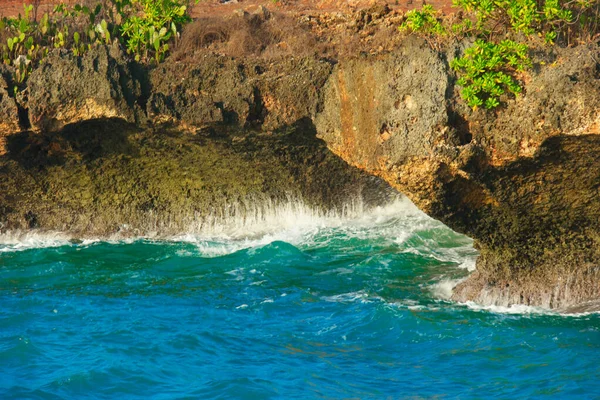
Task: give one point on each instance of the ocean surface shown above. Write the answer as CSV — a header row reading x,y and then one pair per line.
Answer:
x,y
288,304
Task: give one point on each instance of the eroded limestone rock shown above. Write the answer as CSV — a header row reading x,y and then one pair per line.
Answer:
x,y
523,181
379,112
243,93
9,112
67,89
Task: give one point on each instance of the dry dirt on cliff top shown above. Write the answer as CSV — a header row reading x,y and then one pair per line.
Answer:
x,y
218,7
274,31
322,28
207,8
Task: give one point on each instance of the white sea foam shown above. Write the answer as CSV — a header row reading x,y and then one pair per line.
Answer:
x,y
443,289
298,224
469,264
19,241
521,309
255,225
361,296
512,309
295,217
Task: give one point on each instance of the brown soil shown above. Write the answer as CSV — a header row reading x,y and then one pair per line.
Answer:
x,y
12,8
332,29
209,8
215,7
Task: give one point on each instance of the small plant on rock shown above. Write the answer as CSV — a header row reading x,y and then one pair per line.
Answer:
x,y
144,27
424,21
490,68
147,32
487,71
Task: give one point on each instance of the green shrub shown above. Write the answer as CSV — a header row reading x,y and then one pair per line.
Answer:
x,y
487,71
489,68
28,41
144,27
148,25
551,18
423,21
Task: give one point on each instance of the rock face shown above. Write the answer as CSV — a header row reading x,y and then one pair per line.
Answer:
x,y
102,177
245,93
116,145
66,90
380,112
523,182
9,112
561,98
540,236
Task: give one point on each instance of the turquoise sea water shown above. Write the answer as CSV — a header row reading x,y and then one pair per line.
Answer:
x,y
301,306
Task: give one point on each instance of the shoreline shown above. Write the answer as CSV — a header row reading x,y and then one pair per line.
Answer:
x,y
99,140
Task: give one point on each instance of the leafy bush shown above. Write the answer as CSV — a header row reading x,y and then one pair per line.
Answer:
x,y
487,70
143,27
423,21
148,25
28,41
552,18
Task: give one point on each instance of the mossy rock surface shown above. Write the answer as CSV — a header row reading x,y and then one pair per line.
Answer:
x,y
106,176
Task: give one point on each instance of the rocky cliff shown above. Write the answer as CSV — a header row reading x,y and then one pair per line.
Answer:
x,y
101,142
523,181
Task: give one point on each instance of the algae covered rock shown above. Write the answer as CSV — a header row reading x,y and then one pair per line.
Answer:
x,y
103,177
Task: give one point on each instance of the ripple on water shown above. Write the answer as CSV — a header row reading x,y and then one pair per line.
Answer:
x,y
327,306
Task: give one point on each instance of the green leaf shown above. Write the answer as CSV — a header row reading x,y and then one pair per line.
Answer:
x,y
491,102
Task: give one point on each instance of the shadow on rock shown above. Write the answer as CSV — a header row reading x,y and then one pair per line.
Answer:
x,y
87,141
105,176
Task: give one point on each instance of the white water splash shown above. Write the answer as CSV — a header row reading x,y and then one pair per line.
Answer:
x,y
512,309
19,241
298,224
469,264
521,309
443,289
351,297
253,225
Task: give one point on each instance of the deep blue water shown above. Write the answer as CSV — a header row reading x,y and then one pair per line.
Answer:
x,y
312,308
